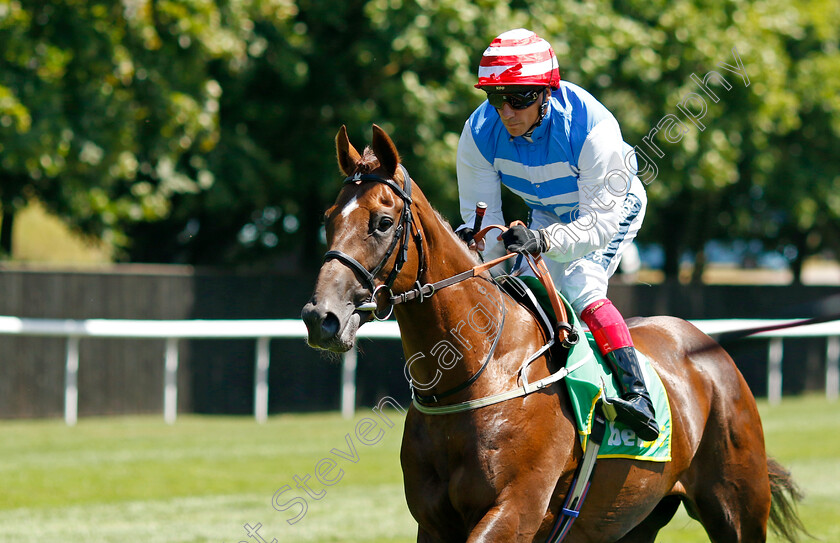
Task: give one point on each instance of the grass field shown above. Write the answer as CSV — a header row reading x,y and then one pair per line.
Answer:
x,y
201,480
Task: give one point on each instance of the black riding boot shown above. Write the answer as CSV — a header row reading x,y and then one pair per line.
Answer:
x,y
634,407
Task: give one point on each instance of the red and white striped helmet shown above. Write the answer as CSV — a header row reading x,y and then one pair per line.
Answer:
x,y
518,57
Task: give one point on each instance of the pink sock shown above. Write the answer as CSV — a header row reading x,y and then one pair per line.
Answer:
x,y
607,326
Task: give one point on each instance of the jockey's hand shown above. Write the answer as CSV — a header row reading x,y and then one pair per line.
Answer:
x,y
466,235
520,239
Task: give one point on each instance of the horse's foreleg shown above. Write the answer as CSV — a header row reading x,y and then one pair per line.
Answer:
x,y
661,515
508,522
497,526
425,537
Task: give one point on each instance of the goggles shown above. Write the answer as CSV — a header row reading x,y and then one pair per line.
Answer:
x,y
516,100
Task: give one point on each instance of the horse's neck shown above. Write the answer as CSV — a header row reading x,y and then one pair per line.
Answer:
x,y
458,323
448,337
446,255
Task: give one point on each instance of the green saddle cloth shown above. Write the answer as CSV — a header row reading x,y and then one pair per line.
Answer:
x,y
585,385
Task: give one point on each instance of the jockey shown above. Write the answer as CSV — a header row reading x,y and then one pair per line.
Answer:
x,y
559,149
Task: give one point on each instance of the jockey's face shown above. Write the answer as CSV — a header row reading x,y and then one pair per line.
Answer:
x,y
519,121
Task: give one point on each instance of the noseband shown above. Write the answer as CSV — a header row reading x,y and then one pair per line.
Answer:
x,y
405,225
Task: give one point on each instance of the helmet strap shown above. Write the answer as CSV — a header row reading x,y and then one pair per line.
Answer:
x,y
543,112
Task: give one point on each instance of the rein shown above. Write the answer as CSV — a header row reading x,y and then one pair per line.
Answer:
x,y
425,291
434,398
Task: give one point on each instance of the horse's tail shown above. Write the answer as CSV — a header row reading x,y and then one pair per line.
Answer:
x,y
784,495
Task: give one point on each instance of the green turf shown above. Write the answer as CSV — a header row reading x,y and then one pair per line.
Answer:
x,y
139,480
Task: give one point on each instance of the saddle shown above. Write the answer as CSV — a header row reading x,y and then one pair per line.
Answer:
x,y
524,295
589,382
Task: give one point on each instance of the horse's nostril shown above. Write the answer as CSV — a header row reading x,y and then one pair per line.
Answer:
x,y
309,315
329,327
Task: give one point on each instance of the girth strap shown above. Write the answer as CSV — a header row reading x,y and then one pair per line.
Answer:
x,y
524,390
577,493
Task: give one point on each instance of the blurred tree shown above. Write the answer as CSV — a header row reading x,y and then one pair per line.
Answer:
x,y
410,66
202,132
796,195
106,109
747,159
407,66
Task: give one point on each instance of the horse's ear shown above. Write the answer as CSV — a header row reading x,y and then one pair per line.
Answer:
x,y
385,151
348,157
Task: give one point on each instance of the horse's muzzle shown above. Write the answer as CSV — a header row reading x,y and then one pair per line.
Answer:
x,y
320,324
327,330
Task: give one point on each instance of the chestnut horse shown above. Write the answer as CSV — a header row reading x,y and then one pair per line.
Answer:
x,y
500,473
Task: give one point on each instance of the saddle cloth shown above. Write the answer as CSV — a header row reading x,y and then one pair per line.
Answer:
x,y
585,389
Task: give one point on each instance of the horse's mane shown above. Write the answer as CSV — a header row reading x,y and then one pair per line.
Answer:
x,y
368,162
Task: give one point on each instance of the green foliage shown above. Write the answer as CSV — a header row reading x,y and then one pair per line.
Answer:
x,y
757,165
403,65
202,132
102,104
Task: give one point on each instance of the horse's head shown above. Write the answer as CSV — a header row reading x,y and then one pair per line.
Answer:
x,y
368,233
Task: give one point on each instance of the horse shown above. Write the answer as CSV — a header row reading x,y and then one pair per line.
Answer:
x,y
499,473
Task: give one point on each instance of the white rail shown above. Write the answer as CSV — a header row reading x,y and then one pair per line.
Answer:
x,y
829,330
265,330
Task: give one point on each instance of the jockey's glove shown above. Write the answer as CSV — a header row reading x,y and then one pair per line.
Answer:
x,y
466,234
520,239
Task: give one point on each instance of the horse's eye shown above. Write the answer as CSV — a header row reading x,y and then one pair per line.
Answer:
x,y
384,224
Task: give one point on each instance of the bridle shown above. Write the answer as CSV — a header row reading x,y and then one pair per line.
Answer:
x,y
405,226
